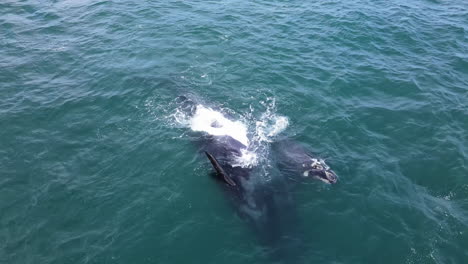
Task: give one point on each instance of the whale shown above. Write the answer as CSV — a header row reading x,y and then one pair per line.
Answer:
x,y
266,206
299,164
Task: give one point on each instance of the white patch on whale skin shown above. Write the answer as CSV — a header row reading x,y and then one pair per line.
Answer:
x,y
205,117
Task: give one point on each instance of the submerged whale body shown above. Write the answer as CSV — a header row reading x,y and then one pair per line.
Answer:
x,y
266,205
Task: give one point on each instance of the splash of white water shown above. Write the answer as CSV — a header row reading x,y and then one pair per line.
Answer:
x,y
216,124
270,124
263,130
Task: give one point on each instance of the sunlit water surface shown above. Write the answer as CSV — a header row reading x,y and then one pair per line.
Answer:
x,y
97,166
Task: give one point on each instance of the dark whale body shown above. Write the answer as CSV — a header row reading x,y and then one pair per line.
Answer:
x,y
267,206
299,164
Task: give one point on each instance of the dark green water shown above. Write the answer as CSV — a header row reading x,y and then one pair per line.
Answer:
x,y
94,169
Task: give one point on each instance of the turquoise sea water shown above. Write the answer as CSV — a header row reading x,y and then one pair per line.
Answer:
x,y
95,168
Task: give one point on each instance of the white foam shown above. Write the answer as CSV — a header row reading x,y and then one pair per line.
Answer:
x,y
269,126
248,159
216,124
264,129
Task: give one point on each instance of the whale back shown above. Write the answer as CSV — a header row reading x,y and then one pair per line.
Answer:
x,y
291,155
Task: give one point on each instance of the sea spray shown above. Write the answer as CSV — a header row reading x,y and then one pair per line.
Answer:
x,y
254,131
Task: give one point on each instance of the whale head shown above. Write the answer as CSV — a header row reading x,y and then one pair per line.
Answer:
x,y
318,169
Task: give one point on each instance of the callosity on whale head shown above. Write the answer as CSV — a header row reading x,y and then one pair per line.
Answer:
x,y
318,169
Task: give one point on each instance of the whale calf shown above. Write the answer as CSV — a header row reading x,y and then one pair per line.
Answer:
x,y
294,159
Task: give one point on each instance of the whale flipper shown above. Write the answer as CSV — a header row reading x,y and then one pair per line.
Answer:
x,y
220,170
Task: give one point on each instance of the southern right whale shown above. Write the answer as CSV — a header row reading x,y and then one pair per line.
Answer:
x,y
265,204
297,162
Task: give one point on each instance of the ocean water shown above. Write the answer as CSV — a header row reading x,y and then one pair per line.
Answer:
x,y
98,166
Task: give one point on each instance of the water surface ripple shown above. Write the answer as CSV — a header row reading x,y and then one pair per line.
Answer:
x,y
93,170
